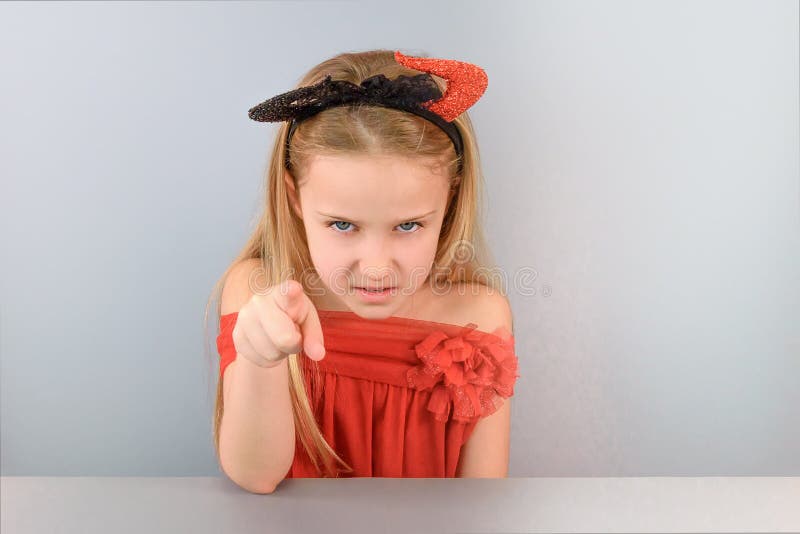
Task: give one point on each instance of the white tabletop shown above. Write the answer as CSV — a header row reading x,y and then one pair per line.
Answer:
x,y
215,504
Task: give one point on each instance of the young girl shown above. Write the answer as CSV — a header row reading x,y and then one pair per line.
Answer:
x,y
359,334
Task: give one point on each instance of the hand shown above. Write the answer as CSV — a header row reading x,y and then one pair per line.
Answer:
x,y
280,322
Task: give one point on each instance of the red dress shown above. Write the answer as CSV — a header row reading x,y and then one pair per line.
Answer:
x,y
400,396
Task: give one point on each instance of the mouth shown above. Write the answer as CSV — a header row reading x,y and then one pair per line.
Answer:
x,y
375,290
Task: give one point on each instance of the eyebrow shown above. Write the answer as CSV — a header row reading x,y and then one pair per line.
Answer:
x,y
342,218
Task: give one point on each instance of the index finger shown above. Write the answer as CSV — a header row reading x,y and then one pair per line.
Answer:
x,y
292,299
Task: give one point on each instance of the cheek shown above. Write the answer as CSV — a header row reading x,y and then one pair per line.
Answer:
x,y
422,253
416,261
330,258
326,254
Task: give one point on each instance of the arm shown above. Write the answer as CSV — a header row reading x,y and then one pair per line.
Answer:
x,y
486,452
257,433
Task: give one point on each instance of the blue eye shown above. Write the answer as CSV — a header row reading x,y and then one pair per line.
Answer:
x,y
409,223
335,226
336,222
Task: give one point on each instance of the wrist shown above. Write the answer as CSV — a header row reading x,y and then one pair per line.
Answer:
x,y
260,362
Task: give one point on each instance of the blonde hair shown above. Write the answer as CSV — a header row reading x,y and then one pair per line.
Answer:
x,y
279,239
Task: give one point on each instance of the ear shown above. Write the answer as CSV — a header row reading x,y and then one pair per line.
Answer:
x,y
294,198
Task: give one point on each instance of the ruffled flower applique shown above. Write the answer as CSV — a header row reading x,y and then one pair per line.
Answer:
x,y
469,373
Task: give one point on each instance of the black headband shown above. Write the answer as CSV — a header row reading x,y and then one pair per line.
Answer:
x,y
406,93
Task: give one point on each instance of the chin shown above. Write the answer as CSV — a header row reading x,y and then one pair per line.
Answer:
x,y
373,310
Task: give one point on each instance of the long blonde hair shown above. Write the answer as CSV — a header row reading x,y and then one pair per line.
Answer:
x,y
279,239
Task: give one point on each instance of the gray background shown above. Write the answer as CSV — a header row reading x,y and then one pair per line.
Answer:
x,y
641,162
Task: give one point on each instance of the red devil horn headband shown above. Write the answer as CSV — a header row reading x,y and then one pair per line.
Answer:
x,y
416,94
465,83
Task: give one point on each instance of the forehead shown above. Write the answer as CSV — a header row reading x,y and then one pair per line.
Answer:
x,y
374,187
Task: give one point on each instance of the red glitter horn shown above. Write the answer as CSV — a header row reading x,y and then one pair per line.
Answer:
x,y
465,83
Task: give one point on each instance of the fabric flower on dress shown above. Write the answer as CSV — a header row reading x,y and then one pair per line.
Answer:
x,y
469,373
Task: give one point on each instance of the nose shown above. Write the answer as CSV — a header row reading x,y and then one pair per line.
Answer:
x,y
378,276
376,267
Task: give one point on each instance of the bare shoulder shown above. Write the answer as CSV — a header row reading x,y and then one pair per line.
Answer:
x,y
477,303
239,284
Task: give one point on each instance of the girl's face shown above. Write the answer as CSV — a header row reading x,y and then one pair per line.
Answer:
x,y
371,221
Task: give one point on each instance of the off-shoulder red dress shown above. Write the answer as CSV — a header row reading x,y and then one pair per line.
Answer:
x,y
401,396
